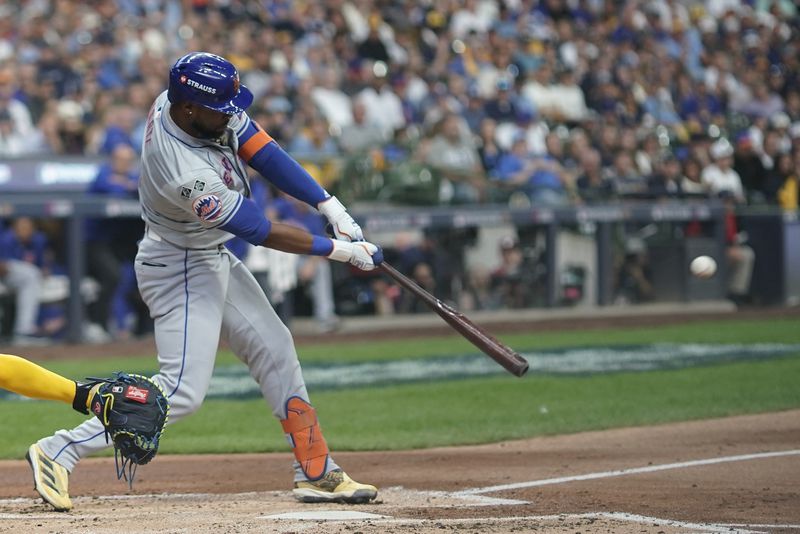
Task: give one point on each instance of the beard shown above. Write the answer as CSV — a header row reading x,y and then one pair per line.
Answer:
x,y
204,132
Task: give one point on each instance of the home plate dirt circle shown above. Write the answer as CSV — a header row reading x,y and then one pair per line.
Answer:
x,y
326,515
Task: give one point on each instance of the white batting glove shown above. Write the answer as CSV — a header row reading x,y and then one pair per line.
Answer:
x,y
362,254
344,227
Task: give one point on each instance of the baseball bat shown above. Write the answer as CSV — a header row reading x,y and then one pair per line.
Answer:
x,y
505,356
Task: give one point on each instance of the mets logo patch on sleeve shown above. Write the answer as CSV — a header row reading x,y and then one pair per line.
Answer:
x,y
207,207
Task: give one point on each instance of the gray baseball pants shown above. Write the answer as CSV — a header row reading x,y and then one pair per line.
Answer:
x,y
194,296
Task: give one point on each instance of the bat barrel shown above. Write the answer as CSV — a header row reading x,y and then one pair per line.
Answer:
x,y
505,356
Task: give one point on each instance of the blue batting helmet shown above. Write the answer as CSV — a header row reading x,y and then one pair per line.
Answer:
x,y
210,81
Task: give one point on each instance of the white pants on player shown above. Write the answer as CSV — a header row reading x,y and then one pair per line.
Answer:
x,y
194,296
26,281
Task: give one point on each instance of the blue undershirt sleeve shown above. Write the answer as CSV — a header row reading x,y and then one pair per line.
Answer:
x,y
248,223
286,174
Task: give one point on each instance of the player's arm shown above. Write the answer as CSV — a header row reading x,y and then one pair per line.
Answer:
x,y
262,153
204,194
250,224
24,377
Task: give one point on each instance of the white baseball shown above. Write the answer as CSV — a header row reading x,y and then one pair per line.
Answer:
x,y
703,266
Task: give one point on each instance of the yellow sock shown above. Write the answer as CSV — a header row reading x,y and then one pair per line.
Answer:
x,y
26,378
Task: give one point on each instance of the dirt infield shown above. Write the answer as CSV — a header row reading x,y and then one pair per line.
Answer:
x,y
735,474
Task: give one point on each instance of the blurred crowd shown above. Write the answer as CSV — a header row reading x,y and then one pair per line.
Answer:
x,y
540,101
526,102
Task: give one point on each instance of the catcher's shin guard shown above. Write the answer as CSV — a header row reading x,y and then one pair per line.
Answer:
x,y
308,445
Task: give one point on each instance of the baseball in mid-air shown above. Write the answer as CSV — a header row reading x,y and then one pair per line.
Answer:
x,y
703,266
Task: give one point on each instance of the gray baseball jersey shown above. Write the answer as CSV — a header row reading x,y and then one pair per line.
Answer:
x,y
188,186
195,289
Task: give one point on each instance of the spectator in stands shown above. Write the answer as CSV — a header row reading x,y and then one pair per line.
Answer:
x,y
314,142
316,150
475,111
697,102
24,279
607,143
426,262
528,124
383,106
692,183
488,150
541,178
571,103
764,103
121,122
359,135
453,153
739,254
788,194
647,154
472,17
502,107
12,142
719,175
628,181
9,99
508,282
539,94
111,247
373,47
63,127
17,133
592,184
782,177
634,277
658,104
332,102
25,243
771,149
749,166
667,180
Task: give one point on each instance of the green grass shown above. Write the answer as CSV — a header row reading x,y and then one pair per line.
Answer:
x,y
468,411
769,331
485,410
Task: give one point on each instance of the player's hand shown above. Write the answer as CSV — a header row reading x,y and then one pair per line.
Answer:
x,y
363,254
343,225
84,393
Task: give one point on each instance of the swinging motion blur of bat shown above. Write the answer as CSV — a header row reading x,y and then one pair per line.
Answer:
x,y
505,356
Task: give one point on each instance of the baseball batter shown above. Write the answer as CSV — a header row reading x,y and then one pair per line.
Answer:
x,y
194,196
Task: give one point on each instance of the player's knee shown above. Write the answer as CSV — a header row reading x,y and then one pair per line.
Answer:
x,y
182,399
181,405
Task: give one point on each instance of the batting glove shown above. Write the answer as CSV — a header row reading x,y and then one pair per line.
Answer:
x,y
344,227
363,254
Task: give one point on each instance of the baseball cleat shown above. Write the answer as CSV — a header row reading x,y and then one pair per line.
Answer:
x,y
49,479
335,486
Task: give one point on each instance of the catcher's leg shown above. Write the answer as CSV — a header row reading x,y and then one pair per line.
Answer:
x,y
259,338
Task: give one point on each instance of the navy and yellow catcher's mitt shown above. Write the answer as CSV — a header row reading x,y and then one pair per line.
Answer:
x,y
133,410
